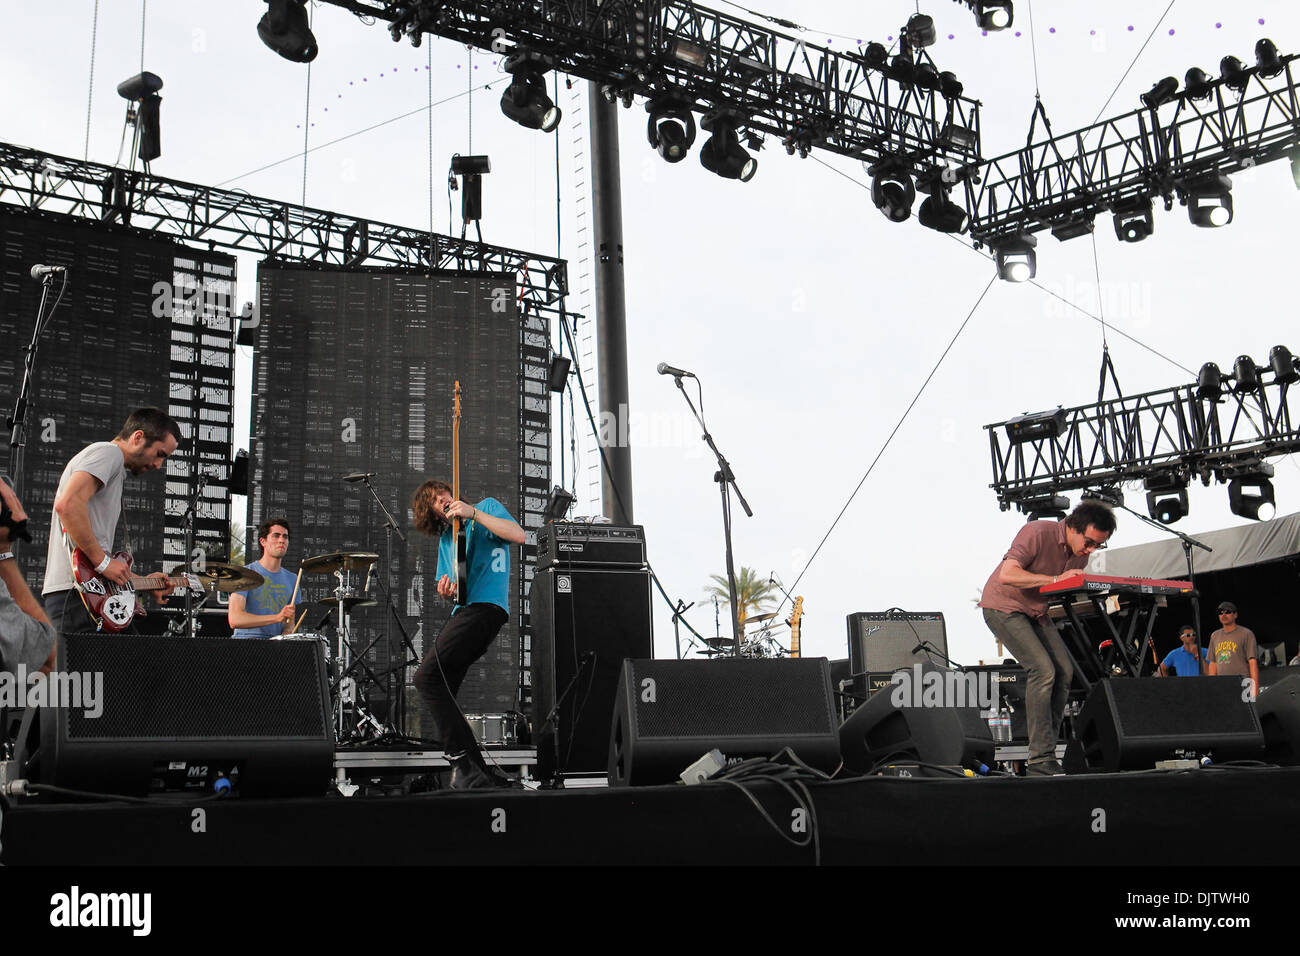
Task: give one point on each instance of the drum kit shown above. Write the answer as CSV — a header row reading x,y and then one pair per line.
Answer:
x,y
351,571
760,642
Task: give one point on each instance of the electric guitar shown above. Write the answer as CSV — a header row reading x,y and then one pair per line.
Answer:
x,y
795,618
458,534
113,605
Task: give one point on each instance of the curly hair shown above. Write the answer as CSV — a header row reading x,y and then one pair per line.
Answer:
x,y
1088,513
428,519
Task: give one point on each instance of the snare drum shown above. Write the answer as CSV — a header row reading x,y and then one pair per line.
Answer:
x,y
493,730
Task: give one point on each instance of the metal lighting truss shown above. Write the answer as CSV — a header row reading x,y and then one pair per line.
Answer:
x,y
771,83
1143,154
237,221
1124,439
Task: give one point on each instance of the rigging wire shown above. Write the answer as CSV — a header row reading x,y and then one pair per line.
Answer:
x,y
90,92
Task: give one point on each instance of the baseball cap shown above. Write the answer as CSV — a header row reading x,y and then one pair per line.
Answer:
x,y
1228,606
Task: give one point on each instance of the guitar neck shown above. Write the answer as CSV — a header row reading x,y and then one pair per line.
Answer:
x,y
140,583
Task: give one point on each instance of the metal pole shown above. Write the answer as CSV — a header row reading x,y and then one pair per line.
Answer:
x,y
611,305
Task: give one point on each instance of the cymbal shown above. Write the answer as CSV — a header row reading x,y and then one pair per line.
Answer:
x,y
339,561
228,578
755,618
349,602
720,641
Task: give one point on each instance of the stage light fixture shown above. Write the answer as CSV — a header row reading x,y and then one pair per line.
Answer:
x,y
1209,383
902,69
1283,364
722,153
1044,506
1295,168
1198,84
1133,219
940,213
1250,492
1033,426
1209,200
1160,94
1245,374
1267,62
471,170
525,100
926,76
692,54
1072,227
892,189
284,29
950,87
1016,258
1233,74
920,30
876,55
1166,497
994,14
670,129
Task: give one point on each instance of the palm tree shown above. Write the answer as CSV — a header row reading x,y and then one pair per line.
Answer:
x,y
236,543
752,591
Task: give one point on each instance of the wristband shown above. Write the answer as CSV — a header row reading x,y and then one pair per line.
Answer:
x,y
99,568
6,556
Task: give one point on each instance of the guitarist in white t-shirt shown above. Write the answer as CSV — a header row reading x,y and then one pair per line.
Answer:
x,y
87,506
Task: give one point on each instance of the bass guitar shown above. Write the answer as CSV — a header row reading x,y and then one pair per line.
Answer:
x,y
458,533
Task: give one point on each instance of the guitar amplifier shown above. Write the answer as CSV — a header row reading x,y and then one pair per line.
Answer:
x,y
577,544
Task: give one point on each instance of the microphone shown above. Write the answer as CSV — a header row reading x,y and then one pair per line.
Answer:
x,y
39,272
360,476
665,369
919,647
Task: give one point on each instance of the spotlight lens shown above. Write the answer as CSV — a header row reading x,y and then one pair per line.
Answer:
x,y
1266,511
1219,216
1018,271
551,119
748,170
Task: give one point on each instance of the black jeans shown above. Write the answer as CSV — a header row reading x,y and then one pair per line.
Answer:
x,y
68,614
464,639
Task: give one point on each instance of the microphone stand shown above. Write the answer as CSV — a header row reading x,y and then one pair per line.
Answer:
x,y
396,700
726,480
191,512
1188,543
678,611
18,420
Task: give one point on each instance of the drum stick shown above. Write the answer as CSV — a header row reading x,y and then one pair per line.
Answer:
x,y
294,629
294,598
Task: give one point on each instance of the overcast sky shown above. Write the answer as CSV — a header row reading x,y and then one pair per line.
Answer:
x,y
810,319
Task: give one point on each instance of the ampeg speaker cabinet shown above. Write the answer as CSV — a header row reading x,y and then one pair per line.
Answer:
x,y
670,713
1130,723
180,714
1278,709
884,641
585,622
906,725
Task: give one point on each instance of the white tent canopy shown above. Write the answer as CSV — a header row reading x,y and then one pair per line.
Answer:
x,y
1248,544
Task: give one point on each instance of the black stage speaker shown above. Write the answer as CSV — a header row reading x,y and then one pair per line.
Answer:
x,y
179,714
670,713
881,729
1130,723
882,641
1278,709
585,622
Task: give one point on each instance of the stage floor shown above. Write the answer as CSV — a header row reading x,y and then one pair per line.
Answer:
x,y
1138,819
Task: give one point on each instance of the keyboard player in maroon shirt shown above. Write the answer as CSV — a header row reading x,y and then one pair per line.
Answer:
x,y
1043,552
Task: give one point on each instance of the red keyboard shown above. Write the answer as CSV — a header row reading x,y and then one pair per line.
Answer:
x,y
1102,582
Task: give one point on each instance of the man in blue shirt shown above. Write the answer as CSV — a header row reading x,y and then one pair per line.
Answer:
x,y
489,532
1185,661
264,611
